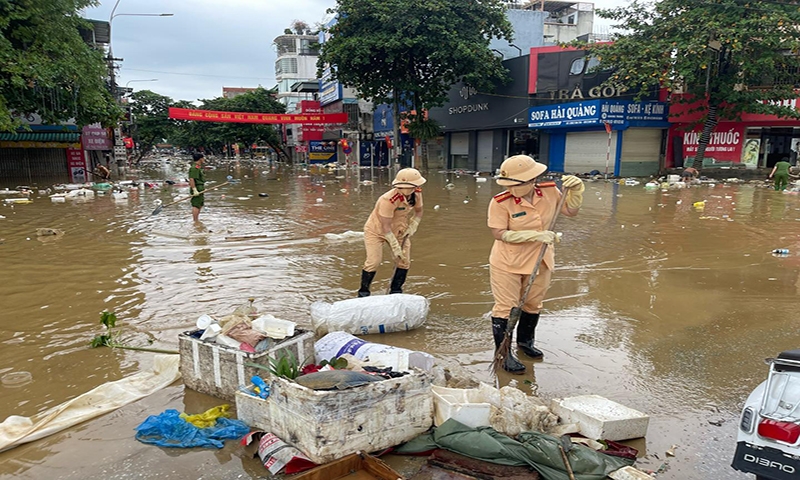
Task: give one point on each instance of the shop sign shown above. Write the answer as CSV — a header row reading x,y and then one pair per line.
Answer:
x,y
76,161
301,148
607,91
95,137
724,145
321,151
5,144
596,112
475,107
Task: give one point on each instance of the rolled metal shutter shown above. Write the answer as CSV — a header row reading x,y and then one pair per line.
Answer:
x,y
641,152
586,151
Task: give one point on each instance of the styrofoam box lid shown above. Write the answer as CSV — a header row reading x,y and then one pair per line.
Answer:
x,y
458,395
600,408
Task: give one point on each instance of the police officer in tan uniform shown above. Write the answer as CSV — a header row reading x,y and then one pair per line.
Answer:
x,y
519,218
394,220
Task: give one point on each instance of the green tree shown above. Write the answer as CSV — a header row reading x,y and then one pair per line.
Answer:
x,y
416,49
47,68
729,56
151,123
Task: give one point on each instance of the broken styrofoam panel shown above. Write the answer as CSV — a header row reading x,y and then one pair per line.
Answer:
x,y
629,473
601,418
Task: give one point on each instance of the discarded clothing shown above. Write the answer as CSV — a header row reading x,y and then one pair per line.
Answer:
x,y
170,430
538,450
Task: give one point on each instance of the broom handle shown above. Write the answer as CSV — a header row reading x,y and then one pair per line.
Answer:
x,y
191,196
543,251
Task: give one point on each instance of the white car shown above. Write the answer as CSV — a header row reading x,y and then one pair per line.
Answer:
x,y
768,440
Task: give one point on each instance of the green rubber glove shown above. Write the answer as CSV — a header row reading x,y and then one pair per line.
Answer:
x,y
396,249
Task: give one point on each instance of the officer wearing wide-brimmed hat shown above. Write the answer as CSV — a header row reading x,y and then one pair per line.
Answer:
x,y
519,218
394,220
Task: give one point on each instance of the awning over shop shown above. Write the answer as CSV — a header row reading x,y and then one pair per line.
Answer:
x,y
66,137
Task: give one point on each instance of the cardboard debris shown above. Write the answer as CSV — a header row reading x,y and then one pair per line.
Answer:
x,y
358,466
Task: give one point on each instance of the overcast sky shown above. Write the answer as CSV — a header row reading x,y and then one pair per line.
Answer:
x,y
206,44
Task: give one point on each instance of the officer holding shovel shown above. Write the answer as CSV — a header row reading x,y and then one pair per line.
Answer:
x,y
519,219
197,183
394,220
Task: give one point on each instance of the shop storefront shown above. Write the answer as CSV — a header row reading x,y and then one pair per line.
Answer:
x,y
618,137
755,141
482,129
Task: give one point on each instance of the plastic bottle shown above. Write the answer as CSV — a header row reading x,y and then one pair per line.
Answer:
x,y
260,387
248,309
781,251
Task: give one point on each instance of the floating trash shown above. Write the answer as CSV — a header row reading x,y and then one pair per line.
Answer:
x,y
436,207
16,379
319,200
449,186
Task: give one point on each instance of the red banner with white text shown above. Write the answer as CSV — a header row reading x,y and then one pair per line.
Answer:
x,y
247,117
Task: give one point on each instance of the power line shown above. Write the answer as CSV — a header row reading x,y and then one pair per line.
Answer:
x,y
198,74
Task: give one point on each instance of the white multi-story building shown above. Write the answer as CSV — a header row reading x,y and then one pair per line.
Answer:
x,y
296,62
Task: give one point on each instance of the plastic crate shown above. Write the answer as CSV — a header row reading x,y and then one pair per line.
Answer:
x,y
465,406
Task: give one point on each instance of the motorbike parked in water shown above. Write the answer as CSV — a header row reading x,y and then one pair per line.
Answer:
x,y
768,440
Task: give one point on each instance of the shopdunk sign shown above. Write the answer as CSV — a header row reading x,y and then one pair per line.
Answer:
x,y
247,117
596,112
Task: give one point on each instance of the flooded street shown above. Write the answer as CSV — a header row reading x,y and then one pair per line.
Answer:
x,y
655,305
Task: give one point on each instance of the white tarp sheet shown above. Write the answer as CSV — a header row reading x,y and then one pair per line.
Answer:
x,y
16,430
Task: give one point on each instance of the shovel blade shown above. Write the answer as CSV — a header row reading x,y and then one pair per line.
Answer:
x,y
157,210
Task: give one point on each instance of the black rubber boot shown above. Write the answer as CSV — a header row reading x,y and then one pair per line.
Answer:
x,y
398,280
511,364
366,281
526,334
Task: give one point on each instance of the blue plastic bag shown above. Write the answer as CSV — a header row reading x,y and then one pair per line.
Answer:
x,y
169,430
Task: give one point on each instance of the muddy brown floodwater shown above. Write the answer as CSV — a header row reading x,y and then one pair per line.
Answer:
x,y
655,305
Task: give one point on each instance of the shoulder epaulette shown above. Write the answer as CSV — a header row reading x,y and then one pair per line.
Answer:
x,y
503,196
545,184
418,189
396,197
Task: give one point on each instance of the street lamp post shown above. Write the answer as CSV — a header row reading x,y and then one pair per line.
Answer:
x,y
119,148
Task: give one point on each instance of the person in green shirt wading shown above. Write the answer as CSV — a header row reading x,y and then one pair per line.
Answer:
x,y
197,182
781,173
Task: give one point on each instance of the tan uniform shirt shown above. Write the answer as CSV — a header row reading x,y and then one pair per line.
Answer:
x,y
511,213
394,205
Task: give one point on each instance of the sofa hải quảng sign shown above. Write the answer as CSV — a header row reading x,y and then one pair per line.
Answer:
x,y
596,112
249,117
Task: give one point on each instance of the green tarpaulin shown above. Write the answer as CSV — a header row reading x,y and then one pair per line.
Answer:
x,y
537,450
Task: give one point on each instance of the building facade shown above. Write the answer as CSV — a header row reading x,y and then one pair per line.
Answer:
x,y
753,141
557,110
296,62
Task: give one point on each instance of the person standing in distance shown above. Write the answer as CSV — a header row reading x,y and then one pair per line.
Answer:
x,y
197,183
394,220
519,218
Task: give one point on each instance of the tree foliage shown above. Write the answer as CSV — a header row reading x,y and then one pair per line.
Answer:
x,y
419,47
151,123
46,67
733,56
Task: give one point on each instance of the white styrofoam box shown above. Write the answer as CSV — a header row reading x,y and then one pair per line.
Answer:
x,y
329,424
218,370
465,406
600,418
629,473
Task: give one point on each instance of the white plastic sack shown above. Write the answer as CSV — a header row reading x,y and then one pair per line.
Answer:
x,y
378,314
336,344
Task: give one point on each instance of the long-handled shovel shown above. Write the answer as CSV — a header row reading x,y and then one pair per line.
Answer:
x,y
161,207
516,312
